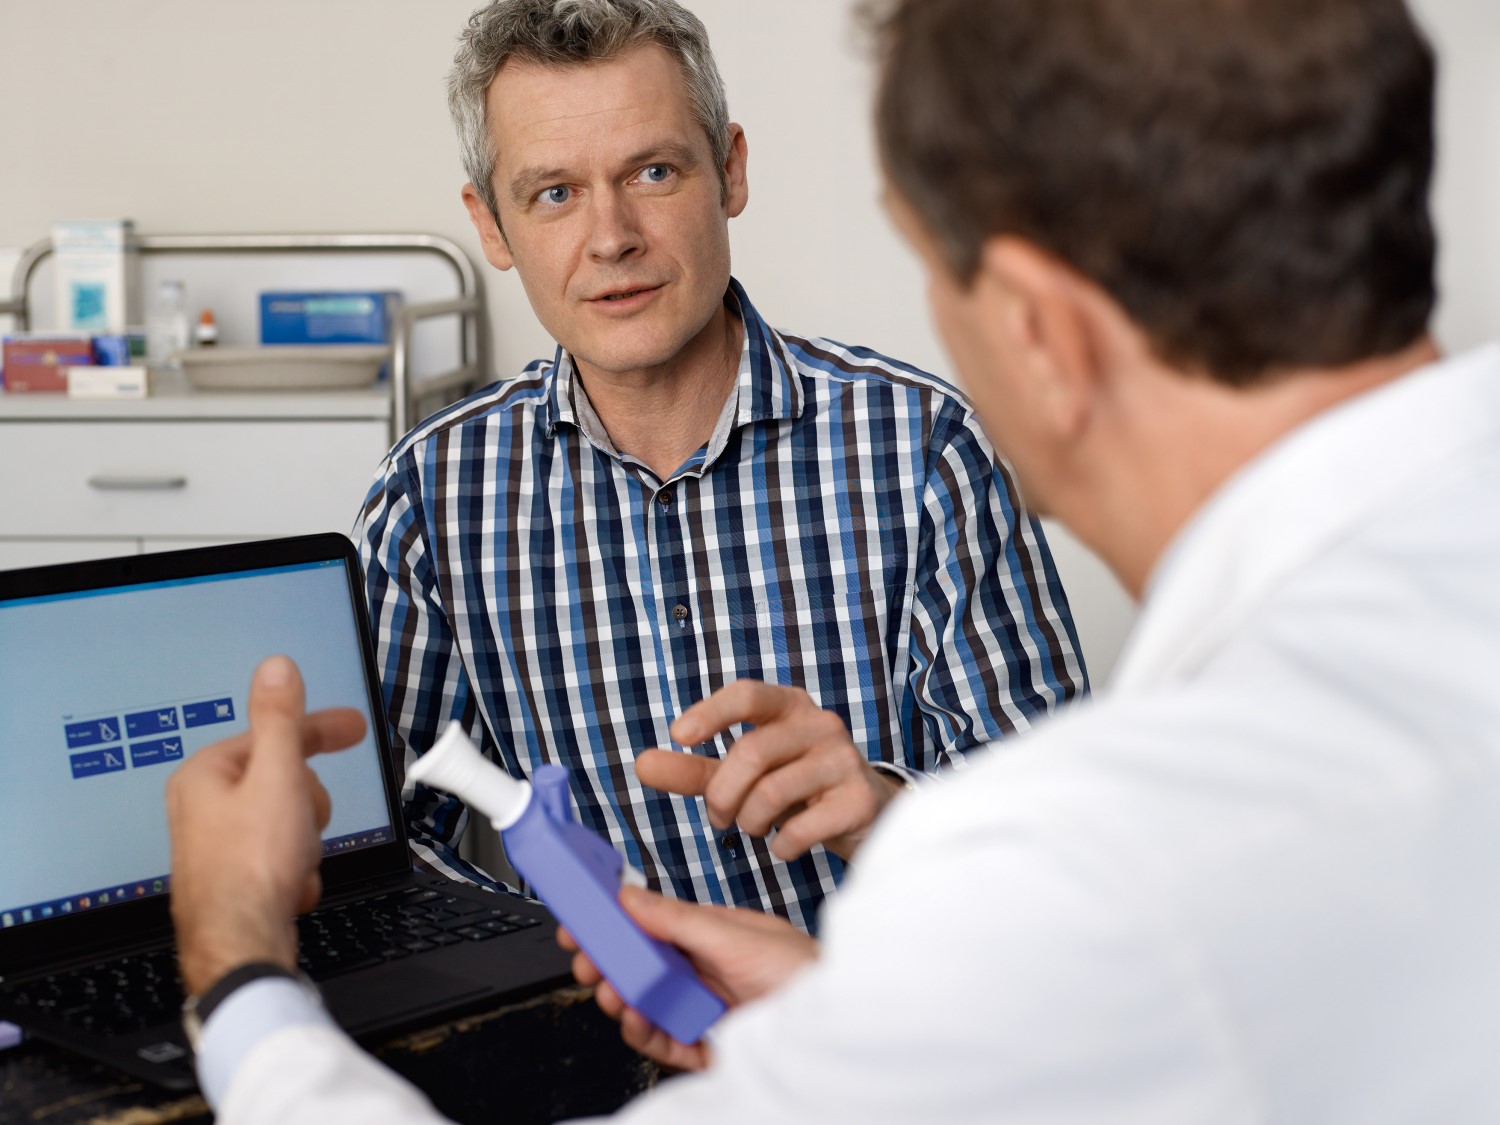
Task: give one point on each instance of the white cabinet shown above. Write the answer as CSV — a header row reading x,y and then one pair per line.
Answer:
x,y
88,480
83,479
15,553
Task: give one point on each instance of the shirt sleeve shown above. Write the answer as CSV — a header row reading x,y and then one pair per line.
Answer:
x,y
422,677
311,1072
271,1055
992,644
1062,977
1065,1009
249,1014
1062,997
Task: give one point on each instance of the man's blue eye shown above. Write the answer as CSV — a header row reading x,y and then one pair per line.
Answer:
x,y
656,173
555,195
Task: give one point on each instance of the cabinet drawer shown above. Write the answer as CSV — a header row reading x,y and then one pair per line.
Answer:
x,y
232,480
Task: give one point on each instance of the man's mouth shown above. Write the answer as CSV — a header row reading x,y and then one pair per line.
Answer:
x,y
626,294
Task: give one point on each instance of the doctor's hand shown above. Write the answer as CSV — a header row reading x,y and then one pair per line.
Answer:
x,y
246,816
740,954
798,771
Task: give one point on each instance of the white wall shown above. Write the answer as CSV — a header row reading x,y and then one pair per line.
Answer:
x,y
289,115
1466,194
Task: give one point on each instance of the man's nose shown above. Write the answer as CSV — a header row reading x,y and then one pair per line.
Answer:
x,y
614,232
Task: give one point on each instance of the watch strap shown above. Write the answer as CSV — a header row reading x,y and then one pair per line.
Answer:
x,y
197,1009
896,774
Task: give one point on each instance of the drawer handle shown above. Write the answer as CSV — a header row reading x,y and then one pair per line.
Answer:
x,y
137,484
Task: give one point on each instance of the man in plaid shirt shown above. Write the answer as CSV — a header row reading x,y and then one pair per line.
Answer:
x,y
806,554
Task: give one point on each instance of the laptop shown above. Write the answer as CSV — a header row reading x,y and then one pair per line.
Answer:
x,y
114,672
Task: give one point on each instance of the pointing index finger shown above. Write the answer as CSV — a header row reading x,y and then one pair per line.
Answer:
x,y
277,703
332,729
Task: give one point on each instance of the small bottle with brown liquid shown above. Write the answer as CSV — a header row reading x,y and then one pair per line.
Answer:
x,y
206,335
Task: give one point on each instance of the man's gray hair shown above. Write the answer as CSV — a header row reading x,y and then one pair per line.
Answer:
x,y
564,32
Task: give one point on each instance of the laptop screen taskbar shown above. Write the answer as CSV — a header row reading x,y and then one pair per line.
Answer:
x,y
149,888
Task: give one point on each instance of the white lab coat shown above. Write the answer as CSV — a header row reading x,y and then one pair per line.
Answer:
x,y
1257,881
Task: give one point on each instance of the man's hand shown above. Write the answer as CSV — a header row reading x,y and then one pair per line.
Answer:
x,y
741,954
798,771
246,815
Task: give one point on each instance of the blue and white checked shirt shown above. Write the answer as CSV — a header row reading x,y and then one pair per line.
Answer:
x,y
847,528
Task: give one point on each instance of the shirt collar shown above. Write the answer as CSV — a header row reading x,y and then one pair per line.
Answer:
x,y
766,388
1313,488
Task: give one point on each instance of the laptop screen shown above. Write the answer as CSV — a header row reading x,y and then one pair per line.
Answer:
x,y
104,692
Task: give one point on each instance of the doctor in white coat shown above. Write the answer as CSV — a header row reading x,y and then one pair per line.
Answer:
x,y
1180,252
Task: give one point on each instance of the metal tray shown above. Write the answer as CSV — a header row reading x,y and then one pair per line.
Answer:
x,y
288,367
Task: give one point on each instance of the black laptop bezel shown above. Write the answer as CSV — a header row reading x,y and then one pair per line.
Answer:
x,y
119,927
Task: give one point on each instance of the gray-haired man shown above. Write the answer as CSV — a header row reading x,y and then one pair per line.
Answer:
x,y
685,507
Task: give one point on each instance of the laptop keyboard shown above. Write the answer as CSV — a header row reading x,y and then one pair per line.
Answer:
x,y
362,934
142,990
119,996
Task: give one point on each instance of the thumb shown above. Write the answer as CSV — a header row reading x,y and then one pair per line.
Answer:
x,y
686,925
684,774
277,703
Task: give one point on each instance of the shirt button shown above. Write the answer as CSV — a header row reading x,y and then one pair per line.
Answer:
x,y
680,612
664,498
730,842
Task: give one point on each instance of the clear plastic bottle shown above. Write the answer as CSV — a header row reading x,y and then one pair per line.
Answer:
x,y
167,325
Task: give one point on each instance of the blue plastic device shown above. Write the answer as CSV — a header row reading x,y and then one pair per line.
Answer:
x,y
577,875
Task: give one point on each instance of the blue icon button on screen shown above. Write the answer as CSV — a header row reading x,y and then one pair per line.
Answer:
x,y
157,750
145,723
210,711
92,762
93,732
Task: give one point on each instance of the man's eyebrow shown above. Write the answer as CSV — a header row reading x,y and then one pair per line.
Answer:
x,y
528,181
666,152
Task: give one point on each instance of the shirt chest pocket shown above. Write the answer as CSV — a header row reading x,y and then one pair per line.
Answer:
x,y
778,624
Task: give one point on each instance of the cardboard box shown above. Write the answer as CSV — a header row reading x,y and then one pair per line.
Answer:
x,y
119,349
333,317
40,363
97,270
131,381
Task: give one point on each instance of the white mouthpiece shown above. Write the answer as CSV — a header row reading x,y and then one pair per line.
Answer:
x,y
454,763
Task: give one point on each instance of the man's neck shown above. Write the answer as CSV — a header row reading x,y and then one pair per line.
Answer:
x,y
1191,436
662,415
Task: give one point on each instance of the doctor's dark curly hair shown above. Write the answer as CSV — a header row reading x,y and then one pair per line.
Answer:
x,y
1247,178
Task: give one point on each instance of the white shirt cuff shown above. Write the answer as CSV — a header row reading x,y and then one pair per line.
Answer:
x,y
247,1016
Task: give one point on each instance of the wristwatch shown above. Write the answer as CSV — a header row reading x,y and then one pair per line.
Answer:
x,y
899,776
197,1009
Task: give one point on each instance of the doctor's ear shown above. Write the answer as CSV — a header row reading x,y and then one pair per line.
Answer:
x,y
491,237
1051,322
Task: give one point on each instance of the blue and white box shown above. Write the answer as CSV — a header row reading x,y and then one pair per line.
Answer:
x,y
328,317
97,275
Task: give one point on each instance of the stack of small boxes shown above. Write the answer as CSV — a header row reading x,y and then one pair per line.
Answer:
x,y
94,354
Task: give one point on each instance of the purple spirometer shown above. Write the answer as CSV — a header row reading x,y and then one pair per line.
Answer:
x,y
577,875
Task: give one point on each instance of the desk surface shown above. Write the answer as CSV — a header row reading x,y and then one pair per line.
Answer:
x,y
550,1058
173,403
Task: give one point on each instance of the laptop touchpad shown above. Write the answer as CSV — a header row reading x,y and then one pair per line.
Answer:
x,y
387,994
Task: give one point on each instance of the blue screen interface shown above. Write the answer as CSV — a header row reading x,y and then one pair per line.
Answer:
x,y
103,694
